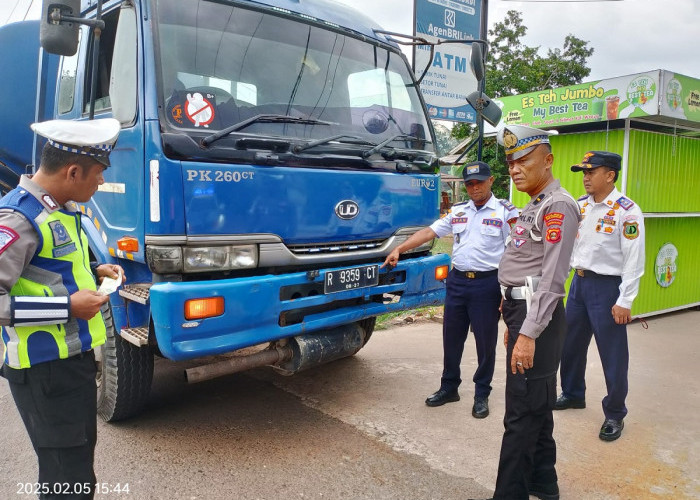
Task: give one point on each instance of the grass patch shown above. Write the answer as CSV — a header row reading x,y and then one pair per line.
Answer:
x,y
385,321
443,245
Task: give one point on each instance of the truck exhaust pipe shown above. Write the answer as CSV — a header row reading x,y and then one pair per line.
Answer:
x,y
238,364
316,349
301,353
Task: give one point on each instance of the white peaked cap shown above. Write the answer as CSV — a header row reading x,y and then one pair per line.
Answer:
x,y
94,138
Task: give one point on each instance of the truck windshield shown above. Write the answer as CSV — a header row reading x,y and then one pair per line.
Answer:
x,y
222,64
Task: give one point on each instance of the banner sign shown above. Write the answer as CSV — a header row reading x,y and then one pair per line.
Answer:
x,y
681,98
449,78
665,266
642,94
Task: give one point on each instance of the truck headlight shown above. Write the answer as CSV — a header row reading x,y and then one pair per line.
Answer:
x,y
164,260
175,259
198,259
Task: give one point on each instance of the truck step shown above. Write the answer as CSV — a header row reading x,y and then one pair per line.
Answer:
x,y
136,336
138,292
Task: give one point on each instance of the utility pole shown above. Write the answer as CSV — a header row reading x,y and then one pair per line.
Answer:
x,y
482,85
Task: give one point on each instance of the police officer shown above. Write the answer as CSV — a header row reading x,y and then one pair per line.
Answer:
x,y
49,306
608,260
480,228
532,273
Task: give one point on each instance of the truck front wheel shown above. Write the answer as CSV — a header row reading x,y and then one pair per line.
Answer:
x,y
124,374
367,325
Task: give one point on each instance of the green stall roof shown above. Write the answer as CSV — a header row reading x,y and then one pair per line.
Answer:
x,y
659,97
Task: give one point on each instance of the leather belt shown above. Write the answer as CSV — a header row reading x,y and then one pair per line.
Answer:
x,y
477,274
513,292
585,273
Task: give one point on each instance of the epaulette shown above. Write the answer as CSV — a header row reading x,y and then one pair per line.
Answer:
x,y
584,197
460,203
625,203
507,204
539,198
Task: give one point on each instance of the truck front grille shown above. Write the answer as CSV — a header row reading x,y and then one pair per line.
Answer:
x,y
352,246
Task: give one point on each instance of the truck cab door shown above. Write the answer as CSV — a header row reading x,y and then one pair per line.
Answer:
x,y
117,209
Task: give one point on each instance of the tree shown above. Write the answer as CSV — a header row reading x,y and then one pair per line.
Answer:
x,y
514,68
444,137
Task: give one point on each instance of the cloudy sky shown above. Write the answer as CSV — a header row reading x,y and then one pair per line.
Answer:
x,y
629,36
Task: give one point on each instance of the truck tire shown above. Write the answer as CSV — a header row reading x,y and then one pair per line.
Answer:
x,y
367,325
124,374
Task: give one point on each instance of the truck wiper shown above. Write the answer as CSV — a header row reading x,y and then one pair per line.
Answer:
x,y
379,146
303,147
260,119
417,164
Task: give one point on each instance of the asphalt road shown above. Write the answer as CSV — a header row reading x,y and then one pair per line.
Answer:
x,y
358,429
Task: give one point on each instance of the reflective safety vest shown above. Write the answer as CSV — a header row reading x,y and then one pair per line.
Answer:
x,y
60,267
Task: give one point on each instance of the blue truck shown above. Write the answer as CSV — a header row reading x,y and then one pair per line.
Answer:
x,y
272,153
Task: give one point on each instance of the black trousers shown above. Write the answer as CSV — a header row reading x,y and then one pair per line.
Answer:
x,y
472,301
57,401
528,450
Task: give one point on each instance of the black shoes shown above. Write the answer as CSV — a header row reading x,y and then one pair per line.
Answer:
x,y
441,397
481,407
549,491
564,403
611,429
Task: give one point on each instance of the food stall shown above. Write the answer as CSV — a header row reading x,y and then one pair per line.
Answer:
x,y
652,120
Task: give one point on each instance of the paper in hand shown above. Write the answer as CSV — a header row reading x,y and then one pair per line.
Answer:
x,y
110,285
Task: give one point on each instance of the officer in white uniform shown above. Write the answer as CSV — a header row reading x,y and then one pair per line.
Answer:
x,y
49,306
608,260
480,228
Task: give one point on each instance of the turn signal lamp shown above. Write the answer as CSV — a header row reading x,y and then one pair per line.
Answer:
x,y
441,272
128,244
204,308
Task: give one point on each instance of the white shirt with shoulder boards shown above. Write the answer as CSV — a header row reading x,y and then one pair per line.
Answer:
x,y
479,235
610,241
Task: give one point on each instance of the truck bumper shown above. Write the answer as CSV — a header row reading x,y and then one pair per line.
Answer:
x,y
266,308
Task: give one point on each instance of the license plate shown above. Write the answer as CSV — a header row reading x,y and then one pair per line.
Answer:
x,y
351,278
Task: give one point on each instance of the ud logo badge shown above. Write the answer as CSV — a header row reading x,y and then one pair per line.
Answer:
x,y
347,209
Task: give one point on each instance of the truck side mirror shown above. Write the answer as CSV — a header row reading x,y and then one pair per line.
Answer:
x,y
476,61
122,83
485,107
57,35
417,131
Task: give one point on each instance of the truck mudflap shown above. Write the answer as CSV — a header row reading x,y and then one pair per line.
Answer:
x,y
266,308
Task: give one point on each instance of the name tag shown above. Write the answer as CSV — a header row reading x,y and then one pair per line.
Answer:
x,y
493,222
64,250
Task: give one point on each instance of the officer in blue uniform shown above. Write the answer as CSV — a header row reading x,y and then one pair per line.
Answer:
x,y
480,228
608,260
49,306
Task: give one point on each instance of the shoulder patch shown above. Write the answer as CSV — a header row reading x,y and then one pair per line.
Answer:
x,y
553,234
7,237
554,219
630,230
625,203
507,204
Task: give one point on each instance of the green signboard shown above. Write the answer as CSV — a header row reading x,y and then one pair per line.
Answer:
x,y
681,98
642,94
